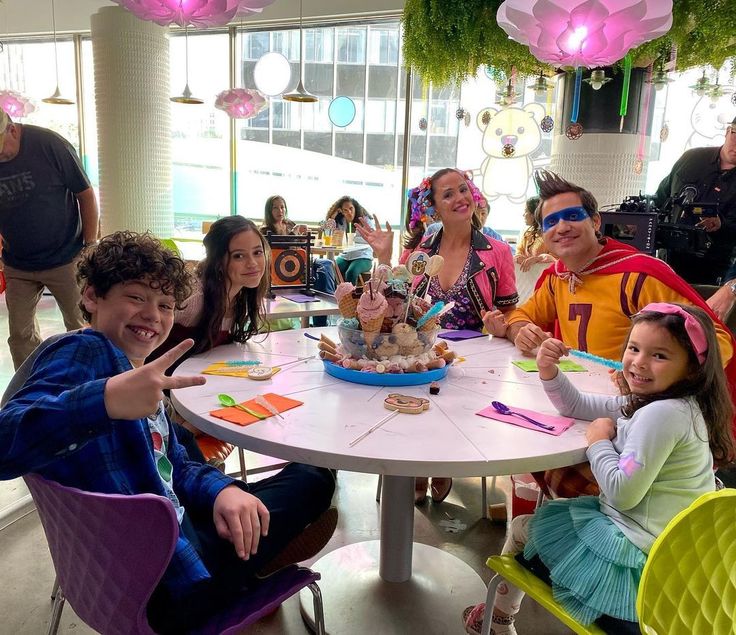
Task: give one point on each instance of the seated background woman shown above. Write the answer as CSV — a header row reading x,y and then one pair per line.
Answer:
x,y
275,218
356,259
530,248
478,272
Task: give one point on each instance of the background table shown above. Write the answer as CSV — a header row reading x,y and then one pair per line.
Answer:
x,y
359,580
282,307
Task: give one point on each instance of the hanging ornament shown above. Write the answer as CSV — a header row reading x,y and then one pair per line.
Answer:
x,y
639,163
201,14
574,131
460,114
733,99
547,124
508,150
486,118
15,104
664,132
583,32
422,124
576,95
240,103
272,74
467,119
341,111
623,109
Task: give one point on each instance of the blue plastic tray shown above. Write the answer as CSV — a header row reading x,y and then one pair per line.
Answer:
x,y
385,379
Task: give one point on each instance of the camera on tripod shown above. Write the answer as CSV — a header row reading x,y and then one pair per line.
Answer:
x,y
639,222
634,222
677,230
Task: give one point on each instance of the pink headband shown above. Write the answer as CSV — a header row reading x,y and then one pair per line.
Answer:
x,y
693,328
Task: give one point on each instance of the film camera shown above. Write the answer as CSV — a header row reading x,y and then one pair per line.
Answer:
x,y
639,222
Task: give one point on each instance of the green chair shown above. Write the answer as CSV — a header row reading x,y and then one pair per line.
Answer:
x,y
688,584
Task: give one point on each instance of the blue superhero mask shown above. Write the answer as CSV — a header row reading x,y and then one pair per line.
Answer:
x,y
569,214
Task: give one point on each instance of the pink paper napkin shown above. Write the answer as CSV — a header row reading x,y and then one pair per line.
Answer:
x,y
560,423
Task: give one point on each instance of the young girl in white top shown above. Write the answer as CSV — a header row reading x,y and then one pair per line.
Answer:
x,y
652,453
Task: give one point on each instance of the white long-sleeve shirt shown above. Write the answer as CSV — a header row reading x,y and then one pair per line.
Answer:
x,y
658,463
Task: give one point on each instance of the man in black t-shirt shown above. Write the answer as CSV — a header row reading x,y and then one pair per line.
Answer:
x,y
708,175
48,211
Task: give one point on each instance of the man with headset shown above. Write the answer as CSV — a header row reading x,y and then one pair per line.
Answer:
x,y
706,175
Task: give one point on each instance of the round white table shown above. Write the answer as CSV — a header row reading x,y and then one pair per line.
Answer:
x,y
385,583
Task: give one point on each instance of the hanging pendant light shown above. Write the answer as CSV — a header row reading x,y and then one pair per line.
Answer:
x,y
186,95
300,94
597,79
541,85
57,97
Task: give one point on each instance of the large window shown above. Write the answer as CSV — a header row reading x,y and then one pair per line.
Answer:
x,y
28,68
295,150
200,134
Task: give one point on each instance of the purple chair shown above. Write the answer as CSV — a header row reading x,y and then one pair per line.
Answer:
x,y
110,551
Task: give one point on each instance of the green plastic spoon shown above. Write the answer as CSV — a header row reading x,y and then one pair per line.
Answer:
x,y
229,402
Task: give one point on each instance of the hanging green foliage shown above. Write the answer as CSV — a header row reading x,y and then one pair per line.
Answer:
x,y
446,41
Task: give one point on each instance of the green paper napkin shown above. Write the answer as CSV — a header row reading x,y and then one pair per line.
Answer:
x,y
566,366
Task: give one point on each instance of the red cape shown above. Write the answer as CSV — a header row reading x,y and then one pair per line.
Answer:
x,y
634,261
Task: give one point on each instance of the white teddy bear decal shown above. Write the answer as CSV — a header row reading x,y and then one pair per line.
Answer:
x,y
510,136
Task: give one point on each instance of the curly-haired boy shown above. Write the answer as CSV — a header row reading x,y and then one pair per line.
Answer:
x,y
90,415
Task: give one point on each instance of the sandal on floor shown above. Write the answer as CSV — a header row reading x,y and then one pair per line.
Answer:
x,y
420,490
473,618
440,488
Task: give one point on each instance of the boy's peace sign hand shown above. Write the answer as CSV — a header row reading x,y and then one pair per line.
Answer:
x,y
136,393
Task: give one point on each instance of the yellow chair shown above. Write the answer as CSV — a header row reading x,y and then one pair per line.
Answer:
x,y
689,580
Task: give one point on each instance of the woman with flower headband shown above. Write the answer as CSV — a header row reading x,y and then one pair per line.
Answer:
x,y
478,271
358,258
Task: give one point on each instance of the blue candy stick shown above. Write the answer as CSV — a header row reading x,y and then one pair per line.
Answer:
x,y
243,363
597,359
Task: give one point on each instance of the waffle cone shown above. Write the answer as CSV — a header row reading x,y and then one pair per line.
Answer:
x,y
373,325
348,306
430,325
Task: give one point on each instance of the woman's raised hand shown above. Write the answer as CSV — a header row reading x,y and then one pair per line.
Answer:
x,y
380,240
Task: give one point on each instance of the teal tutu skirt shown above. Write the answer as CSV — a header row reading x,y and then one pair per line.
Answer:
x,y
594,568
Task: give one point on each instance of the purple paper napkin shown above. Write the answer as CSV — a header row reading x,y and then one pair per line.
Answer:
x,y
461,334
559,423
298,297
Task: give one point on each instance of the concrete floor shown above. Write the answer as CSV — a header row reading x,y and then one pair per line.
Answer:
x,y
27,571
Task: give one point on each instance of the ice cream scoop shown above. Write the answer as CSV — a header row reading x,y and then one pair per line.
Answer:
x,y
343,289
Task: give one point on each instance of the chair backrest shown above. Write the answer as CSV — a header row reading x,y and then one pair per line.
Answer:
x,y
526,280
24,370
109,551
689,581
